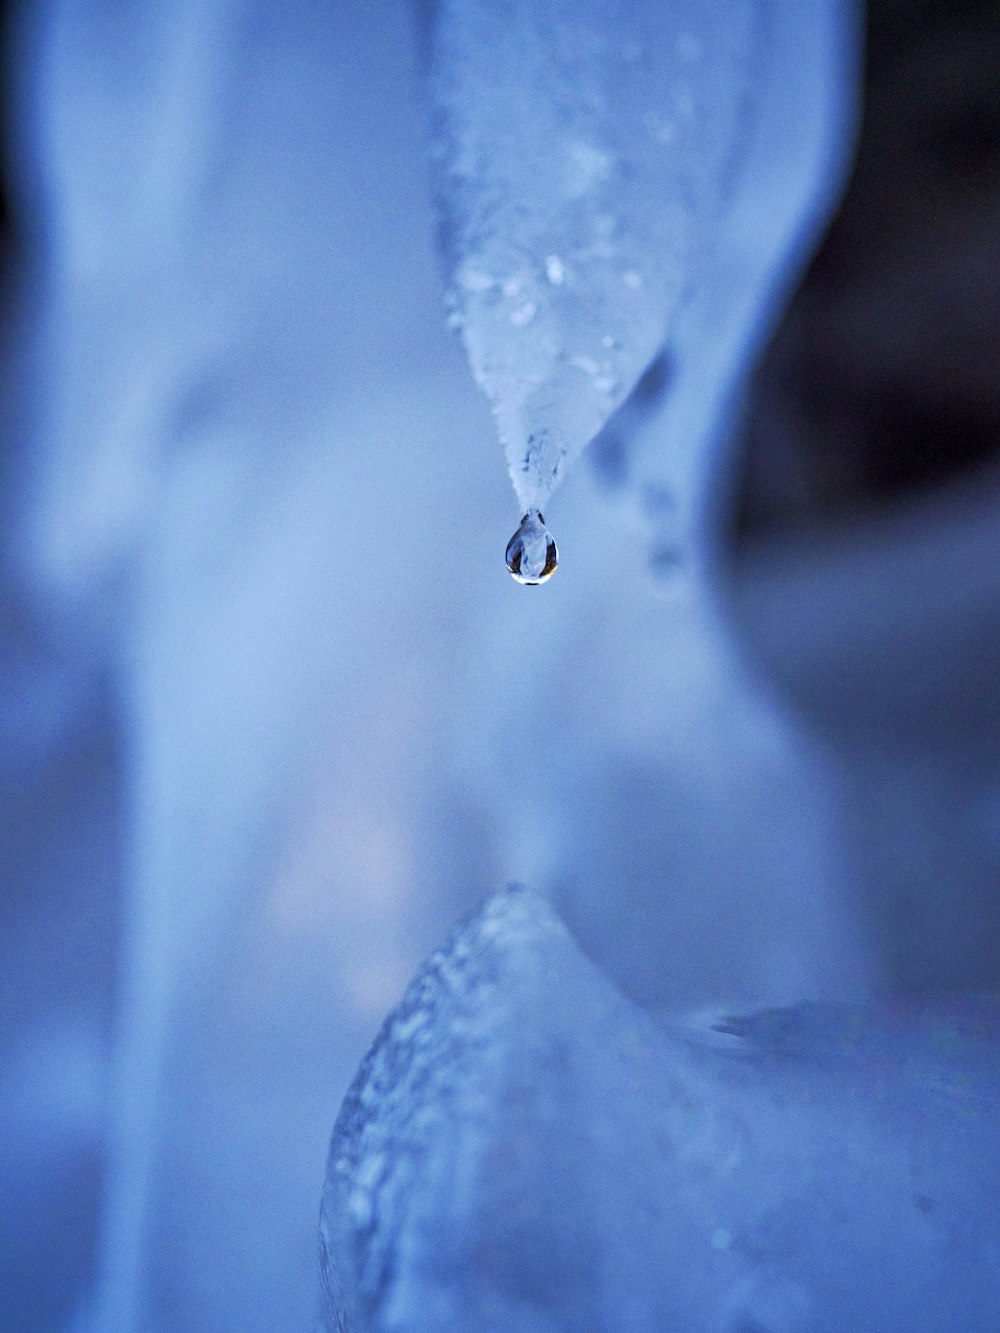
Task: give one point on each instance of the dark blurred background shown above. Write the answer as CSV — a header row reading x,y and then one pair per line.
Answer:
x,y
884,375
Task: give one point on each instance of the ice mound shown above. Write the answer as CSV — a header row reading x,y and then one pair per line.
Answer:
x,y
524,1149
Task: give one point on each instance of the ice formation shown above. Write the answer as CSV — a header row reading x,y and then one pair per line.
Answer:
x,y
583,151
524,1150
234,372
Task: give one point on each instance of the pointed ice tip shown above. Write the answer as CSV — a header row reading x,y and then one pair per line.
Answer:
x,y
514,904
508,919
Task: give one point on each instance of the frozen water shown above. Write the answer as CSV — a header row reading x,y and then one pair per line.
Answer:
x,y
583,152
525,1150
317,770
532,556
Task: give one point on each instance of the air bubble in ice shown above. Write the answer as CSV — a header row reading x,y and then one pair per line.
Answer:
x,y
531,552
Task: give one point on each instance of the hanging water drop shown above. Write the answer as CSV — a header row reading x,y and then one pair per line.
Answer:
x,y
531,552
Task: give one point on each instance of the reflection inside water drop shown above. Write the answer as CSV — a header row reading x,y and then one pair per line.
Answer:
x,y
531,552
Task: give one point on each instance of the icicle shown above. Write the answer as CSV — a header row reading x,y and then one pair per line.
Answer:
x,y
581,151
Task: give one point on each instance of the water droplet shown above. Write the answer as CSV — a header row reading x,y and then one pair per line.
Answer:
x,y
524,314
531,552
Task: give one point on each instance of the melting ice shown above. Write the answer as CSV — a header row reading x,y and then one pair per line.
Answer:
x,y
581,153
532,556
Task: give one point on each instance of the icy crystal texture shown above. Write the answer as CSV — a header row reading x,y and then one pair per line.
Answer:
x,y
526,1150
582,153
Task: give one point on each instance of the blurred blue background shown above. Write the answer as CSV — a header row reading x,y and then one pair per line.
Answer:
x,y
272,713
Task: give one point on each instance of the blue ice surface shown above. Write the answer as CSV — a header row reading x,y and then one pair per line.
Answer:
x,y
583,157
277,715
526,1150
617,183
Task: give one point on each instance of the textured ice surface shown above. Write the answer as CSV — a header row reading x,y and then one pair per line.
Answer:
x,y
523,1149
235,328
583,150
